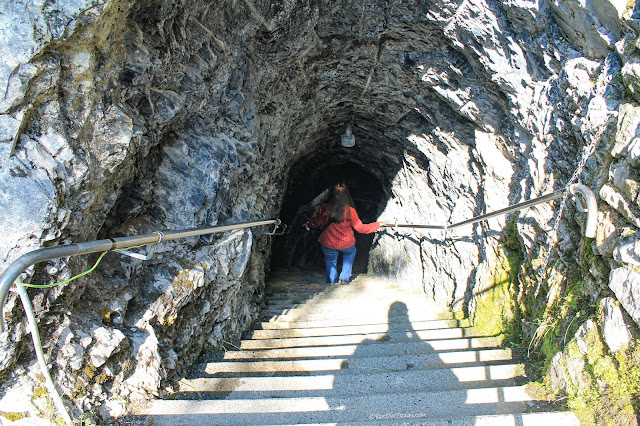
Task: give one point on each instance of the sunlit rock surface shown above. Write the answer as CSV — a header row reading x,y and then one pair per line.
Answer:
x,y
128,117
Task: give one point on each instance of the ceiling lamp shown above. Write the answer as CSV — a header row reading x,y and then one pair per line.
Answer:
x,y
348,139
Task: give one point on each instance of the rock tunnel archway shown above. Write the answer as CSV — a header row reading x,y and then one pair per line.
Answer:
x,y
308,180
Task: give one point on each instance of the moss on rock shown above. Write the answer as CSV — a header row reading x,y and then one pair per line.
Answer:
x,y
611,391
559,329
13,417
598,386
496,311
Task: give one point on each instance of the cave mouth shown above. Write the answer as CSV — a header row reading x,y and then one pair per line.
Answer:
x,y
308,180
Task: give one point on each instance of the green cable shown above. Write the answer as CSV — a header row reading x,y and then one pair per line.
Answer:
x,y
82,274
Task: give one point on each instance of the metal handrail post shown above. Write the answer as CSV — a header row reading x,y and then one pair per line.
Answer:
x,y
35,336
591,207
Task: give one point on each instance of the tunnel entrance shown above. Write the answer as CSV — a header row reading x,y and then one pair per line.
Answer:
x,y
308,181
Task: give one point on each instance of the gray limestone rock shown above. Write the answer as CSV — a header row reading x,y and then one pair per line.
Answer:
x,y
567,369
581,335
628,131
576,374
18,398
614,329
625,283
147,375
614,198
558,373
607,233
8,132
593,27
72,355
631,77
530,15
106,343
24,212
628,251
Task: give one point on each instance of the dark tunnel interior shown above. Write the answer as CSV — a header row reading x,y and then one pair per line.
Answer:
x,y
308,179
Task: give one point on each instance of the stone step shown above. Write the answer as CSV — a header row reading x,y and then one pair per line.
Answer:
x,y
356,364
296,277
550,418
358,305
365,353
426,406
310,285
331,324
301,279
342,384
347,315
300,284
381,348
319,292
276,330
339,317
351,339
275,288
283,321
306,282
367,287
361,284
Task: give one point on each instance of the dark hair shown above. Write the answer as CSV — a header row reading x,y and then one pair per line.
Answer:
x,y
339,203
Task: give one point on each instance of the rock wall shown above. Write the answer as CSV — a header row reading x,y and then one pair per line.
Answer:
x,y
594,297
130,117
106,139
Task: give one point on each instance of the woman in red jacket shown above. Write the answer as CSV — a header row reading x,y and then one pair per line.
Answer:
x,y
338,237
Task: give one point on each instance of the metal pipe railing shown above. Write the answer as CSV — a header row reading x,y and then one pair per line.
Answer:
x,y
16,268
28,259
37,344
591,208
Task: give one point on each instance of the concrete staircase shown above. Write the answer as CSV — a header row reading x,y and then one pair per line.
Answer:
x,y
366,353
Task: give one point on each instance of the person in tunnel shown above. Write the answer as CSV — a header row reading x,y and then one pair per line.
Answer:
x,y
341,219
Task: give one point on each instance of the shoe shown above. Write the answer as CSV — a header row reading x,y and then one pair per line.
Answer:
x,y
343,282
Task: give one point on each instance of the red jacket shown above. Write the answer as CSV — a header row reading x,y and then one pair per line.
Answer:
x,y
339,235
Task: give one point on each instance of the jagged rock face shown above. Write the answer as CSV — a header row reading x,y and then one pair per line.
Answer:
x,y
131,117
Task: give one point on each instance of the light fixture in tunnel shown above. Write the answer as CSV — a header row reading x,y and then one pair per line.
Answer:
x,y
348,139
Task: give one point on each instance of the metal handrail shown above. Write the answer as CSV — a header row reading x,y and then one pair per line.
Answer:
x,y
19,265
49,253
591,208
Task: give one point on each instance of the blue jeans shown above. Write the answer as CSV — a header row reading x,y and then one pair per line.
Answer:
x,y
331,262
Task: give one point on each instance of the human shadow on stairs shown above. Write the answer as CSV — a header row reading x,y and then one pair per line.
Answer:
x,y
418,370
